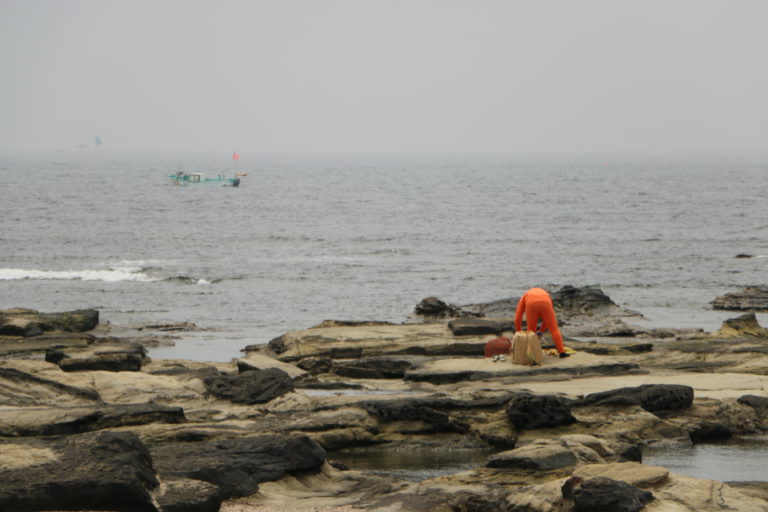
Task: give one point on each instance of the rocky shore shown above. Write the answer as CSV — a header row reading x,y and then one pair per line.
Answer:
x,y
89,422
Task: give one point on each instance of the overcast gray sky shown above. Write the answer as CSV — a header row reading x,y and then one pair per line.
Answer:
x,y
425,76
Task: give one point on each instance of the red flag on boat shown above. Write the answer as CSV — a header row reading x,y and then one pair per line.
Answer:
x,y
235,157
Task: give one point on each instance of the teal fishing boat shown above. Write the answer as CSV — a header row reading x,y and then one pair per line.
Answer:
x,y
194,178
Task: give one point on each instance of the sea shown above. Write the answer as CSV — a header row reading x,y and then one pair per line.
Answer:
x,y
309,238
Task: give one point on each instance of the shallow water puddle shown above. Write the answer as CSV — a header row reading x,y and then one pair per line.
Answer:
x,y
734,461
412,464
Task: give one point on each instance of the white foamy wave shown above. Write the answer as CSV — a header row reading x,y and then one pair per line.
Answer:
x,y
109,276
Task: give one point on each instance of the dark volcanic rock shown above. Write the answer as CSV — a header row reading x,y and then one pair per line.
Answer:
x,y
410,410
356,372
316,365
103,471
631,453
476,326
432,307
756,402
251,387
433,411
388,367
237,466
572,304
709,432
277,345
651,397
750,298
570,300
527,411
605,495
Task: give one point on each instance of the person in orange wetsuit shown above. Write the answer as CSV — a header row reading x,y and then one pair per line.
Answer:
x,y
536,304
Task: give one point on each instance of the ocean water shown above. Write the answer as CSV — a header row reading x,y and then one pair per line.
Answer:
x,y
304,239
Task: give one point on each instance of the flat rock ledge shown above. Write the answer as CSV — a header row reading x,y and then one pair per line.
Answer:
x,y
268,431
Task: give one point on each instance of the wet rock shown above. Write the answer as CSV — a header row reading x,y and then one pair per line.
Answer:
x,y
432,307
351,323
40,421
750,298
587,311
633,473
356,372
250,387
742,326
478,326
188,495
102,471
276,345
254,361
611,328
756,402
170,326
446,377
428,339
637,348
538,457
410,410
602,494
572,301
709,432
15,346
528,411
24,327
316,365
651,397
631,453
501,308
71,321
388,367
237,466
127,359
54,356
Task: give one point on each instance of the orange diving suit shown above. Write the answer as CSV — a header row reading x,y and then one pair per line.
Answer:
x,y
536,304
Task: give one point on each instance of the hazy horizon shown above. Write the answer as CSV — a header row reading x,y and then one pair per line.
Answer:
x,y
375,77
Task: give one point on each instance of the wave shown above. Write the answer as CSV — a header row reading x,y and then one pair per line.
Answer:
x,y
116,275
108,276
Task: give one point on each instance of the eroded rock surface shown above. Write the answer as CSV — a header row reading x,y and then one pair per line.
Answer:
x,y
750,298
264,430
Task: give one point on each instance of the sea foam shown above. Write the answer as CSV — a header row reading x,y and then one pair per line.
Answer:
x,y
109,276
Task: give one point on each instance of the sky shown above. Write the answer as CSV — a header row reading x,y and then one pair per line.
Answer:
x,y
385,76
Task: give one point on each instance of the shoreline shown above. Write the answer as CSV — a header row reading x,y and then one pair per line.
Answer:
x,y
254,434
